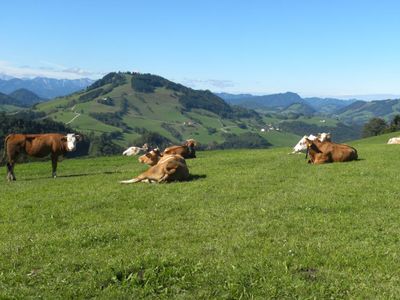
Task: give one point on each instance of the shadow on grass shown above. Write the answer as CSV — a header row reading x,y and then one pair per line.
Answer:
x,y
70,175
89,174
193,177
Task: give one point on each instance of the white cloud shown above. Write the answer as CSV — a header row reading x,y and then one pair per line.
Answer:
x,y
208,83
46,69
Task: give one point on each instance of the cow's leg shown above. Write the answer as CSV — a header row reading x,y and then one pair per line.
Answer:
x,y
10,165
134,180
10,171
54,159
168,171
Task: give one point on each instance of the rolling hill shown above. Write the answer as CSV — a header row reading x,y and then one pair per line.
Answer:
x,y
278,102
131,104
18,100
361,111
349,112
25,97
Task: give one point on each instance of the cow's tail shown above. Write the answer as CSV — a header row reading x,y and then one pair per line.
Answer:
x,y
3,159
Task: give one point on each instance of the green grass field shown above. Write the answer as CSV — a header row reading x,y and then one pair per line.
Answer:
x,y
250,224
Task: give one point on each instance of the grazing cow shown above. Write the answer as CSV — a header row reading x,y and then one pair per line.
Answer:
x,y
301,146
327,152
169,168
37,145
151,158
186,150
394,141
136,150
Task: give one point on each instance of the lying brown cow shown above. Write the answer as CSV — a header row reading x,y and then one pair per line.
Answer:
x,y
169,168
327,152
187,150
37,145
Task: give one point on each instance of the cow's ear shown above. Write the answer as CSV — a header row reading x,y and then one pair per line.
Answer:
x,y
79,137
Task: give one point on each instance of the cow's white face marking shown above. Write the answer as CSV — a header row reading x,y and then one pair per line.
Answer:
x,y
71,141
302,145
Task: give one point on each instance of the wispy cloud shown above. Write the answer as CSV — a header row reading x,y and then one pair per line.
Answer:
x,y
208,83
46,69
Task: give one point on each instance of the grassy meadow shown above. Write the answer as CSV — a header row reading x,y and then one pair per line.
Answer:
x,y
249,224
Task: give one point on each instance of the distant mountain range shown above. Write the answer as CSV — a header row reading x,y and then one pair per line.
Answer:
x,y
45,88
350,111
279,102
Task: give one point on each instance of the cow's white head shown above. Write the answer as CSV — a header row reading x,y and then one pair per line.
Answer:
x,y
301,146
132,151
72,139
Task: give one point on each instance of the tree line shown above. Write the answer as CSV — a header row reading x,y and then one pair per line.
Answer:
x,y
378,126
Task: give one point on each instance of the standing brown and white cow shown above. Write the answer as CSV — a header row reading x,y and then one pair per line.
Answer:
x,y
37,145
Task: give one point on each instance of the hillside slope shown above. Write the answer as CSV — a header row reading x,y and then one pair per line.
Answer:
x,y
360,112
25,97
325,106
131,104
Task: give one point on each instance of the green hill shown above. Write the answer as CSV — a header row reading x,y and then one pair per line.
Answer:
x,y
299,109
132,104
360,112
10,104
26,97
379,139
250,224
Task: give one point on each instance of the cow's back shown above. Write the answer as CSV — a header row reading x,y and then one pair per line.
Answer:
x,y
337,152
36,145
180,150
43,144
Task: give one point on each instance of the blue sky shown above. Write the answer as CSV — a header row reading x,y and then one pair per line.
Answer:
x,y
322,48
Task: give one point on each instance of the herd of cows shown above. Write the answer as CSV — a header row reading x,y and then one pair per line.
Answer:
x,y
168,165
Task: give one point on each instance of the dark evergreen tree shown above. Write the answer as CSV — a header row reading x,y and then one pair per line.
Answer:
x,y
373,127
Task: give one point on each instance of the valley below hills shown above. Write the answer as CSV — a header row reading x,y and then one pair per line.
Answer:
x,y
130,108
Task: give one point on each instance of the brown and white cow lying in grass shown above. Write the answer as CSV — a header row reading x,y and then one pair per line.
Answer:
x,y
187,150
168,168
301,146
327,152
37,145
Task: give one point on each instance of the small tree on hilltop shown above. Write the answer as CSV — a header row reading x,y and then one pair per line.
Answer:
x,y
395,124
373,127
